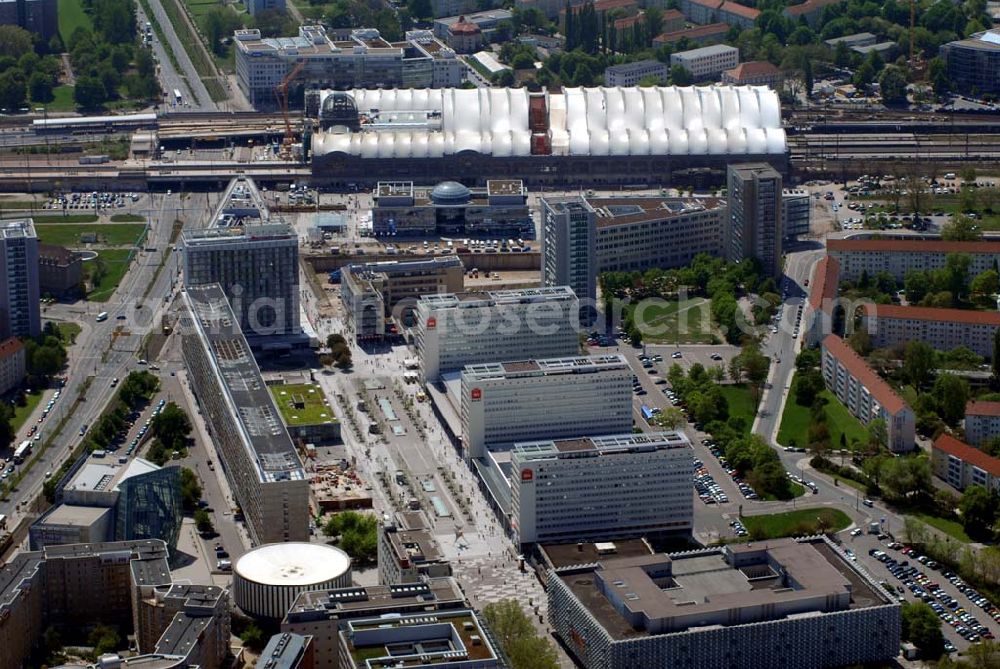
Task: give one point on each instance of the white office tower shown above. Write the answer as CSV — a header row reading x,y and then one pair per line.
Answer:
x,y
599,488
458,329
504,403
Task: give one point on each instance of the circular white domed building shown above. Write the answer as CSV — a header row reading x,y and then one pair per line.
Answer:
x,y
267,579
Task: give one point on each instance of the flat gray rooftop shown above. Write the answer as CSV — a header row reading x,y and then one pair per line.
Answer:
x,y
19,229
433,592
249,400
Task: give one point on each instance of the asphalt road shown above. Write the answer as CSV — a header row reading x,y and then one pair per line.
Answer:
x,y
170,78
103,351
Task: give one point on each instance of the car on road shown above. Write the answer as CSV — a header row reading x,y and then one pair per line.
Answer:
x,y
715,356
675,355
867,502
856,532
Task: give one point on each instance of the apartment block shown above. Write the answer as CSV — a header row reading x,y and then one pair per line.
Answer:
x,y
377,294
122,583
320,613
796,213
763,605
700,35
600,488
504,403
358,58
459,329
408,551
288,651
255,7
707,62
452,209
962,465
811,11
818,317
755,226
13,364
982,422
37,16
20,314
255,451
865,394
944,329
569,253
899,256
630,74
754,73
629,234
448,639
254,258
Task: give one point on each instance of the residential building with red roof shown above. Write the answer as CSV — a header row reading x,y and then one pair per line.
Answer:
x,y
962,465
601,8
865,394
699,35
818,317
13,364
701,11
736,14
899,256
464,36
754,73
982,422
811,10
944,329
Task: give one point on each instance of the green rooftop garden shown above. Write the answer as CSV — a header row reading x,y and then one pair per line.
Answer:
x,y
302,404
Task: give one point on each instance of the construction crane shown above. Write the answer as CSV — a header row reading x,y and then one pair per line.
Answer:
x,y
281,92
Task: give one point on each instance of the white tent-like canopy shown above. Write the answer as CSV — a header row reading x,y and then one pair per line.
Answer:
x,y
429,123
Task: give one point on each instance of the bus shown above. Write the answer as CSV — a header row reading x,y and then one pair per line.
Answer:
x,y
177,96
103,316
22,451
647,413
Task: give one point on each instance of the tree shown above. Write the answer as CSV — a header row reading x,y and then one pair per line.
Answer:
x,y
995,361
190,490
680,76
878,434
172,426
219,23
253,637
807,76
961,229
14,41
951,394
986,284
671,418
808,386
203,522
892,85
937,72
357,532
12,90
420,10
917,284
756,366
89,92
517,636
979,509
104,639
922,627
40,87
919,362
273,23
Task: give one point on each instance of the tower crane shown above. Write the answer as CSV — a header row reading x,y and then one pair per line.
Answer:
x,y
281,92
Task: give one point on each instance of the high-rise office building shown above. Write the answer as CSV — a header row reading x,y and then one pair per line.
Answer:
x,y
254,257
569,245
509,402
37,16
755,227
20,315
259,459
590,488
458,329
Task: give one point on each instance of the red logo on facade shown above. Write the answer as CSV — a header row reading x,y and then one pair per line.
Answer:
x,y
432,323
476,394
527,475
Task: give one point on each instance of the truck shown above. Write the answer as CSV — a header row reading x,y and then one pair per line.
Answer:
x,y
178,98
22,451
94,160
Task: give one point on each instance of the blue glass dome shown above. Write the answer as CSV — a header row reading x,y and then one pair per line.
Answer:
x,y
450,192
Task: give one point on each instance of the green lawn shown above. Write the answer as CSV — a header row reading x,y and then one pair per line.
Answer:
x,y
71,17
68,218
302,404
952,528
798,522
116,262
127,218
112,234
661,324
795,422
62,100
740,402
21,413
68,332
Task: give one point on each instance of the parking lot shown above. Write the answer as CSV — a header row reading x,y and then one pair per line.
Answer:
x,y
92,201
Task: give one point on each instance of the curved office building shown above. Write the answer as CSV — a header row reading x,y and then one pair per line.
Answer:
x,y
267,579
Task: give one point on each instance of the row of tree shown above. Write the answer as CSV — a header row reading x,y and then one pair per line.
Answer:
x,y
356,533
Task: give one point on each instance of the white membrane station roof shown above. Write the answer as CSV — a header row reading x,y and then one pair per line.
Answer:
x,y
430,123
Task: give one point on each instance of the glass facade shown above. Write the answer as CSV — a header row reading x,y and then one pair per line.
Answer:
x,y
149,507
